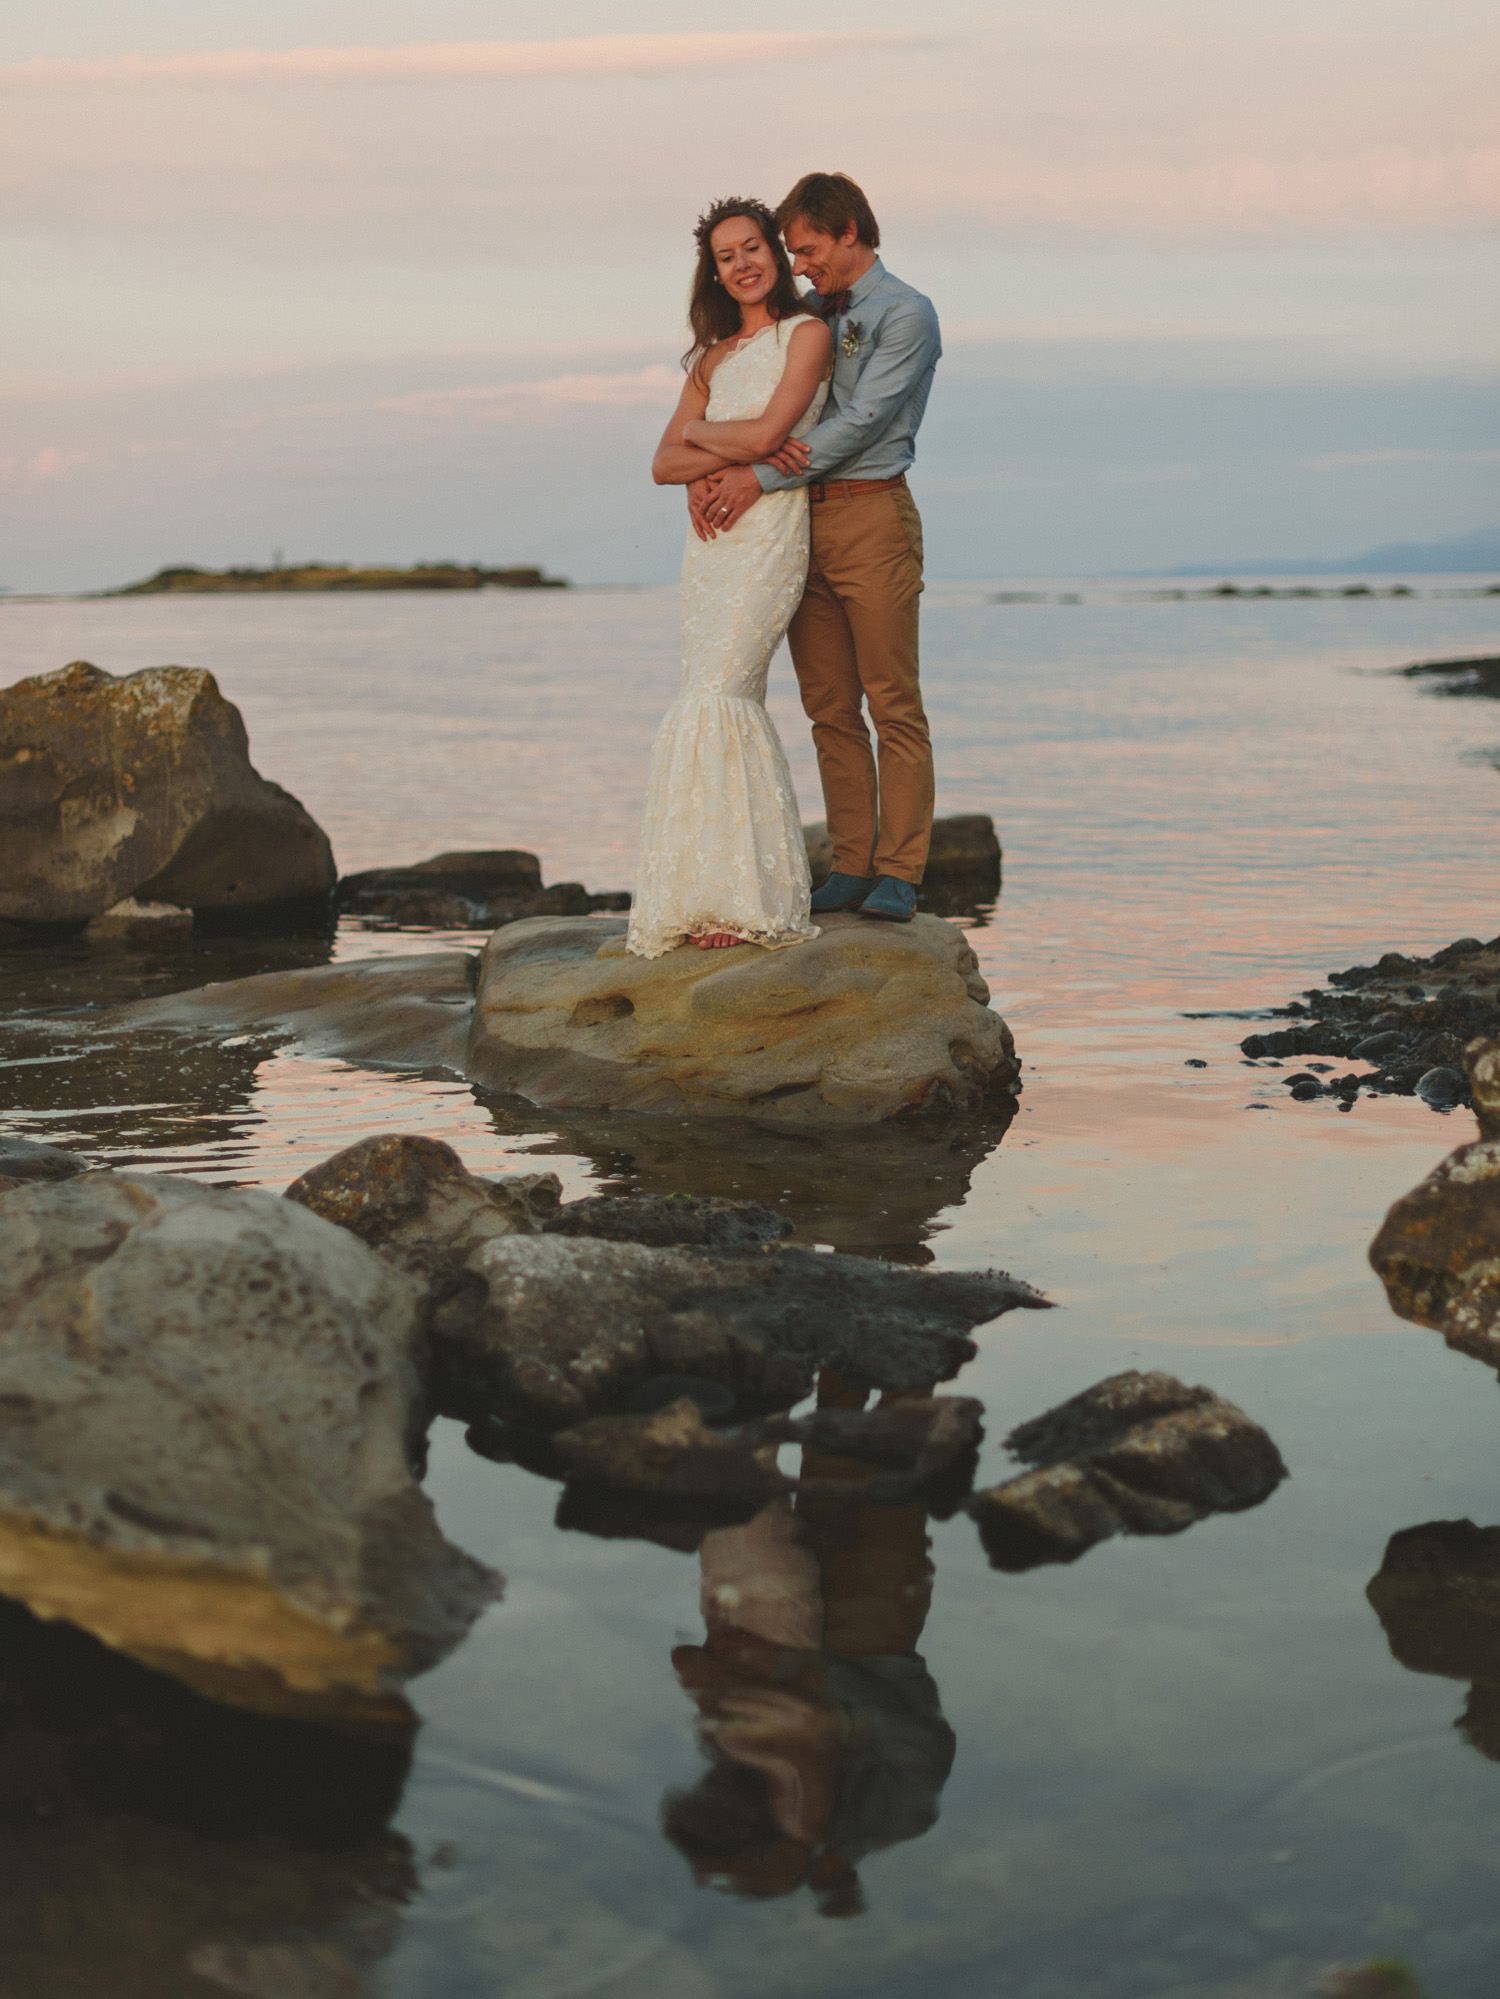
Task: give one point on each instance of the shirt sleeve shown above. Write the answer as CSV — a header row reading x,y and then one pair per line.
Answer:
x,y
906,346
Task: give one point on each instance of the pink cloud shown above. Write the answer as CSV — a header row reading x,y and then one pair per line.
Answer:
x,y
445,62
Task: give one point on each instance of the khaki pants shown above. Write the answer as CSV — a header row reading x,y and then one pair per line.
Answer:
x,y
854,640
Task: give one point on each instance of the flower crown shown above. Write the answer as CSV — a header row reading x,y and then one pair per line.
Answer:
x,y
725,210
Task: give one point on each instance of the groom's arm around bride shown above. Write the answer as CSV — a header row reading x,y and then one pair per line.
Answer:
x,y
854,637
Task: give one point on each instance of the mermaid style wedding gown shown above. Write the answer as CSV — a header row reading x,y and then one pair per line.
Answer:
x,y
721,841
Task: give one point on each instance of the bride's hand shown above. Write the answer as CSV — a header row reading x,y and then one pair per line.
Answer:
x,y
700,494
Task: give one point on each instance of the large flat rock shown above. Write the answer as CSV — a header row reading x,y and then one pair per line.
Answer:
x,y
142,786
865,1022
209,1400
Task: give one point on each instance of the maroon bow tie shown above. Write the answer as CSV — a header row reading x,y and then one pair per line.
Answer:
x,y
836,303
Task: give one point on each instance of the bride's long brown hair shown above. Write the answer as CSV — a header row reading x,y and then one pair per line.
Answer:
x,y
712,313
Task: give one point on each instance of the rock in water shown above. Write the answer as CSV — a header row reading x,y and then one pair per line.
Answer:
x,y
569,1327
1438,1250
142,786
1136,1454
662,1221
867,1021
964,845
134,921
413,1200
208,1402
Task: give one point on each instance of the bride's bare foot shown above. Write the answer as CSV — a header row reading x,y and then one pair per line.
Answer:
x,y
717,940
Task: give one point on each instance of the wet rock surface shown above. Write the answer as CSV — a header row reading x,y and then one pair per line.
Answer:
x,y
1437,1595
569,1327
1136,1454
1438,1250
391,1012
1409,1017
142,786
1477,678
209,1401
467,891
867,1022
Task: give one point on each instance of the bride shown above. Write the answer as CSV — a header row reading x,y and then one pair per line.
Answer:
x,y
722,860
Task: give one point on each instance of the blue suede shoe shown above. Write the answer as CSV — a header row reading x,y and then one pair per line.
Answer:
x,y
892,900
842,892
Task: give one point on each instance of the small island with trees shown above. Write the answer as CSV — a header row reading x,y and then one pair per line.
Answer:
x,y
187,580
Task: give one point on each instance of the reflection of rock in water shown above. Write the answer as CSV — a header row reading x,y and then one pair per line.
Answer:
x,y
154,1845
1437,1595
823,1728
875,1190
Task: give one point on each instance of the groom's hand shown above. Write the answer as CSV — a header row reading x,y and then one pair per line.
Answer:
x,y
793,458
735,493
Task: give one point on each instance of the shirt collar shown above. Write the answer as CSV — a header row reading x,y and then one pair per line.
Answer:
x,y
860,292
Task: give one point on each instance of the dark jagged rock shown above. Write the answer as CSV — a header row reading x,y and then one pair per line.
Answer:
x,y
142,786
1471,678
1438,1250
673,1453
468,891
1137,1454
569,1327
664,1220
414,1201
1437,1595
1412,1017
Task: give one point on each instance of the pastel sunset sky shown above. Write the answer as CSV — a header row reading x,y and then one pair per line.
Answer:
x,y
382,281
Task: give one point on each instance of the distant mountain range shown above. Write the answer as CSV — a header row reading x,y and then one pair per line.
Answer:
x,y
1460,555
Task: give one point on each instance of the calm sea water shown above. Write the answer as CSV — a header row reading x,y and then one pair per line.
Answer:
x,y
1187,1767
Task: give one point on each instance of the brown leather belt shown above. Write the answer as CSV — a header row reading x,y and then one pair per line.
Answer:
x,y
848,489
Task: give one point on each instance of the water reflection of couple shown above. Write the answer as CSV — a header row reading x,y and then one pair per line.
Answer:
x,y
822,1725
782,402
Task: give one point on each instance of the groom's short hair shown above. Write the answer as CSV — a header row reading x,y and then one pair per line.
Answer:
x,y
829,203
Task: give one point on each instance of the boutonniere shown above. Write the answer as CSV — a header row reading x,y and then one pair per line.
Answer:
x,y
854,334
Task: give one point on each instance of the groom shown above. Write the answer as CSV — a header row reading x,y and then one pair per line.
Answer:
x,y
854,636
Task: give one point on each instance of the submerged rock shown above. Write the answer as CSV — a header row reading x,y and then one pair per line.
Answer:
x,y
142,786
1437,1595
868,1021
391,1012
133,921
1136,1454
468,891
568,1327
21,1160
1438,1249
208,1404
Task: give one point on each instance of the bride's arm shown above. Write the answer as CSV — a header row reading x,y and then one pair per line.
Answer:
x,y
677,463
757,437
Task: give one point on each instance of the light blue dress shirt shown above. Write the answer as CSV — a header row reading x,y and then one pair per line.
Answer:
x,y
885,350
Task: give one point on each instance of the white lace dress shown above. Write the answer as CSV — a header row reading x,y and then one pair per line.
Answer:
x,y
721,839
